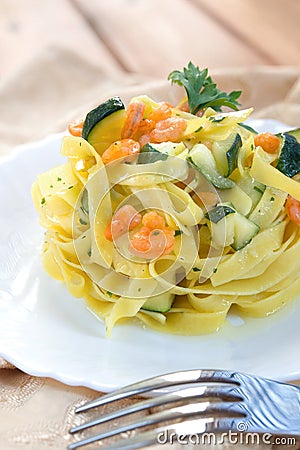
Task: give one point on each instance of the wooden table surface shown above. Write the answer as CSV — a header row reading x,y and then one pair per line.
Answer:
x,y
152,37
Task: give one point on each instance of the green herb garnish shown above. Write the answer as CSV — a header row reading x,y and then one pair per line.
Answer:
x,y
43,201
202,91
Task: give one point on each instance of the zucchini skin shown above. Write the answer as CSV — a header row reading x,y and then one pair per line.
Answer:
x,y
219,212
149,154
99,113
232,154
201,157
289,158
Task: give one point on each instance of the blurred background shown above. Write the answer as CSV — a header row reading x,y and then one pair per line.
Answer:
x,y
151,37
60,58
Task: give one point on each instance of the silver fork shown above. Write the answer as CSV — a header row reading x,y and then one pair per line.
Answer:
x,y
197,401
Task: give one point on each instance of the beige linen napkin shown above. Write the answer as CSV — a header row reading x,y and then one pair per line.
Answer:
x,y
36,413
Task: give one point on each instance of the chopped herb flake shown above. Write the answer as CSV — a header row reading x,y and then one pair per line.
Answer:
x,y
198,129
215,269
43,201
195,269
82,221
272,199
139,289
178,232
51,185
89,253
109,293
70,187
58,179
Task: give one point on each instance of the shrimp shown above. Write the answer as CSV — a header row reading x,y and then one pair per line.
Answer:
x,y
134,116
143,126
152,220
292,207
144,139
125,219
169,129
163,112
125,148
75,127
151,244
269,142
154,238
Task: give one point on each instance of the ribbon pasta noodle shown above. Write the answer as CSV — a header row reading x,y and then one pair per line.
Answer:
x,y
233,242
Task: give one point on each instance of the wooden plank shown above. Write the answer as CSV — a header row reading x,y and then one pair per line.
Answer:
x,y
28,26
270,26
154,37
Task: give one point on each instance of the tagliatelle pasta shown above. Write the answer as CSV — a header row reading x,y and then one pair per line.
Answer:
x,y
211,226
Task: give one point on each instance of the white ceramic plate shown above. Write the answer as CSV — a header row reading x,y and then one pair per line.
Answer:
x,y
44,331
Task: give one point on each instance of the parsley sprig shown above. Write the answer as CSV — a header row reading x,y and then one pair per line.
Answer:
x,y
202,91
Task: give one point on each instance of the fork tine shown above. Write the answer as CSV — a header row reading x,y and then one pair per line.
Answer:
x,y
160,382
224,409
184,395
159,435
148,438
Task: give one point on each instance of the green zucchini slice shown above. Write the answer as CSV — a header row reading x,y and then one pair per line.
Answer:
x,y
103,125
226,152
289,158
148,154
295,133
218,212
229,227
202,158
244,231
159,303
